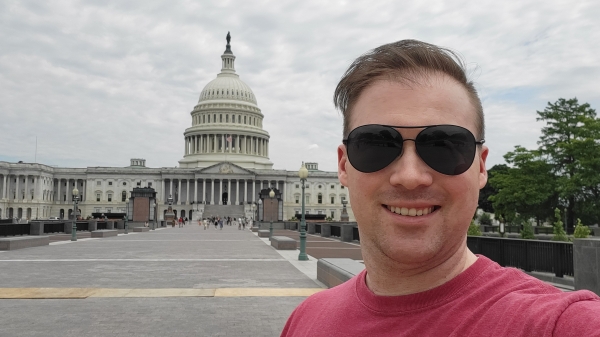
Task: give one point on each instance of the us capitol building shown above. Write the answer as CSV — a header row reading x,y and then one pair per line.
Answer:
x,y
225,171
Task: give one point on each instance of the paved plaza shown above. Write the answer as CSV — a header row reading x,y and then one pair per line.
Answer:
x,y
169,282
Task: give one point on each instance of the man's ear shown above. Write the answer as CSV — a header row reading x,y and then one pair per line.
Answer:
x,y
342,162
483,175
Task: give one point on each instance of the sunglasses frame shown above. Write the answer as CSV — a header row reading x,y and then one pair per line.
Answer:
x,y
345,141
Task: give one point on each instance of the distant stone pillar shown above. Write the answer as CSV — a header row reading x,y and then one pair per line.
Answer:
x,y
237,192
220,191
212,191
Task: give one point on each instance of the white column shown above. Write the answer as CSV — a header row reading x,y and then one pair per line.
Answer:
x,y
245,189
212,191
220,191
204,190
178,190
162,190
189,189
171,188
26,194
58,192
196,190
237,191
229,192
253,190
4,188
223,148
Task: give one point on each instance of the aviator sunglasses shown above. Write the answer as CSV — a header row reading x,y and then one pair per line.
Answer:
x,y
448,149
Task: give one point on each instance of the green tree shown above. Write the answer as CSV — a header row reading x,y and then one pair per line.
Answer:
x,y
488,190
559,231
581,231
485,219
527,229
570,144
474,229
527,188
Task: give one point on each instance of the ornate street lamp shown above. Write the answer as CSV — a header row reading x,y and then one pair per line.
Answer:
x,y
303,174
253,212
74,228
258,218
126,215
271,195
155,214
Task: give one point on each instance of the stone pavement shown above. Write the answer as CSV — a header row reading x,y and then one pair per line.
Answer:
x,y
169,282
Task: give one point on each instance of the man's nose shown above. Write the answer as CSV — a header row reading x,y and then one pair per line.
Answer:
x,y
409,170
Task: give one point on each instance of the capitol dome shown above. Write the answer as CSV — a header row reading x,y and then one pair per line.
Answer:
x,y
227,123
226,86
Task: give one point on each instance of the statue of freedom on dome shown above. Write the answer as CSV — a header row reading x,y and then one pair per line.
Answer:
x,y
228,37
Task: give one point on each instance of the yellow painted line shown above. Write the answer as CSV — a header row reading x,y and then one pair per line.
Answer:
x,y
265,292
45,293
82,293
169,292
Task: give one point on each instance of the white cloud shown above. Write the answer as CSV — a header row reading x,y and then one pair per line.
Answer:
x,y
101,83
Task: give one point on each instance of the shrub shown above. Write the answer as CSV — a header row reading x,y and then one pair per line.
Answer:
x,y
527,231
559,231
581,231
328,218
474,229
485,219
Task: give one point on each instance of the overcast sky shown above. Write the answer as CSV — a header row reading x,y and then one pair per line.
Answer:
x,y
100,82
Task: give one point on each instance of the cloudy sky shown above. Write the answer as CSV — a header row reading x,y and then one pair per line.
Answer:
x,y
100,82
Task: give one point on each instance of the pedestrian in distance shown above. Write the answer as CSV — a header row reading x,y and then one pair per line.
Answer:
x,y
413,160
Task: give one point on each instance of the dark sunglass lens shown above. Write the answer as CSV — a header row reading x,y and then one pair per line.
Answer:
x,y
373,147
448,149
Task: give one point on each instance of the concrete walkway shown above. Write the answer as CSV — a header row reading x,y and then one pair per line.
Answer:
x,y
169,282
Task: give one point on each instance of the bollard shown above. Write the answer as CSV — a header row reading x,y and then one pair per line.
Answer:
x,y
74,231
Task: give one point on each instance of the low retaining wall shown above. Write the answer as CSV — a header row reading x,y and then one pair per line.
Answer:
x,y
586,264
19,242
332,272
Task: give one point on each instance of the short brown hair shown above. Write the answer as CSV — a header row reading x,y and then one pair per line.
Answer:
x,y
402,61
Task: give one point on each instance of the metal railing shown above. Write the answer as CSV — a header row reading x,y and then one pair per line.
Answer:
x,y
528,255
336,231
14,229
54,227
317,229
101,225
355,235
83,226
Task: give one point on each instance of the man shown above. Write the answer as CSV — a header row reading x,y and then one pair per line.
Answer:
x,y
413,161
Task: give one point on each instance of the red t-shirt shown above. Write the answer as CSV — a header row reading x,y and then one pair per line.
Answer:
x,y
484,300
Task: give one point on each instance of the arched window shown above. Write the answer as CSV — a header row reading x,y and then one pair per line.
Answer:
x,y
123,196
320,198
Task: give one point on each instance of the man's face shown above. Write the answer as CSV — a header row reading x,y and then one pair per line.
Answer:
x,y
408,182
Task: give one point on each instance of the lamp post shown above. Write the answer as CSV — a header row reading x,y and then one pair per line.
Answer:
x,y
303,174
271,195
155,214
501,229
170,209
126,215
74,228
258,212
253,212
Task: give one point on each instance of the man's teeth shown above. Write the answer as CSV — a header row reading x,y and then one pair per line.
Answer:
x,y
411,211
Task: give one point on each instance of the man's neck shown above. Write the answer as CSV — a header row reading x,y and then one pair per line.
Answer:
x,y
394,279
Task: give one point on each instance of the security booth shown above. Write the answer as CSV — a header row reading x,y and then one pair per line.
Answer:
x,y
142,205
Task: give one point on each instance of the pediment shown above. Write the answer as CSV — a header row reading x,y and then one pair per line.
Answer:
x,y
226,168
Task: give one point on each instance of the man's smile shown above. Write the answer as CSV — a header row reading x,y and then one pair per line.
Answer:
x,y
412,211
